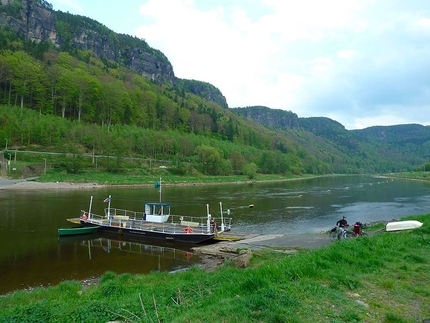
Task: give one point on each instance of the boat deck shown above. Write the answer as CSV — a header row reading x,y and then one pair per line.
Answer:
x,y
190,227
152,226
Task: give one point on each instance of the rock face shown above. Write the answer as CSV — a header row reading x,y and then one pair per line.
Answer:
x,y
29,19
270,118
35,20
149,66
204,90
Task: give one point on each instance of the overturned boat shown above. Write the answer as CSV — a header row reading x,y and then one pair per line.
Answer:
x,y
402,225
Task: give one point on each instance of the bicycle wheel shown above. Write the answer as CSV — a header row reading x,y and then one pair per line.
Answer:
x,y
364,234
347,235
333,235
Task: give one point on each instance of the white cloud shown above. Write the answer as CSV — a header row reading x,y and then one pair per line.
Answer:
x,y
424,23
382,120
346,60
347,53
66,5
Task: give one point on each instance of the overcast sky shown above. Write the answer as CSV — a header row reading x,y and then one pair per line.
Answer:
x,y
359,62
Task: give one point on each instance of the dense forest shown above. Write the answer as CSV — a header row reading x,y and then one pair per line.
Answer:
x,y
68,99
60,98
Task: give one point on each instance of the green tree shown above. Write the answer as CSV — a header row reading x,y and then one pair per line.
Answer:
x,y
5,74
237,161
83,89
66,89
209,159
110,105
25,74
250,170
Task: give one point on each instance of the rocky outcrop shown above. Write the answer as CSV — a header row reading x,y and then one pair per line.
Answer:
x,y
141,58
29,19
270,118
35,20
205,90
149,66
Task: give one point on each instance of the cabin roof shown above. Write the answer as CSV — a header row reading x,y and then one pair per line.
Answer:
x,y
158,204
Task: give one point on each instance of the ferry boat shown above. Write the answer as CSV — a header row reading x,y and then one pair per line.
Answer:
x,y
156,222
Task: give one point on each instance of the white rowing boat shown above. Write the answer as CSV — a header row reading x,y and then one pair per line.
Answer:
x,y
403,225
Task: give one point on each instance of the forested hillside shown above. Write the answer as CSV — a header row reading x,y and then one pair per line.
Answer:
x,y
88,90
81,101
376,149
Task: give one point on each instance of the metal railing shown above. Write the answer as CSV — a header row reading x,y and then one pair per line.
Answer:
x,y
175,225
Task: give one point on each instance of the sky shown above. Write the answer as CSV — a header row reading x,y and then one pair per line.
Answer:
x,y
359,62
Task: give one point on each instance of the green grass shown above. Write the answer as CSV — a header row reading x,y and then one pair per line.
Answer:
x,y
424,176
148,178
383,278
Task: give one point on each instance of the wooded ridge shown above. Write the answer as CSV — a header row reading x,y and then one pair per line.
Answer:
x,y
68,81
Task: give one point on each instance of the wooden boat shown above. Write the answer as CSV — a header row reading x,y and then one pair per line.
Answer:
x,y
156,222
74,220
402,225
75,231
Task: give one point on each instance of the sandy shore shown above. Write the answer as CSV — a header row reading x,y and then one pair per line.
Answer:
x,y
24,185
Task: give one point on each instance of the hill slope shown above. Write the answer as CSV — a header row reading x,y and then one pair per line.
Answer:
x,y
75,68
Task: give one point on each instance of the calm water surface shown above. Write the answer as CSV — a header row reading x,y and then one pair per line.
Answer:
x,y
31,254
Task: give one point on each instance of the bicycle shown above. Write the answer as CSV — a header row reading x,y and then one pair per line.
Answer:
x,y
358,230
339,233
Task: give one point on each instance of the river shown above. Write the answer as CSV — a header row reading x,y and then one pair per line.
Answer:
x,y
31,254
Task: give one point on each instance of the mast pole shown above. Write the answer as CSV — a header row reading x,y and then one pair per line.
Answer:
x,y
109,206
222,218
160,189
209,219
89,210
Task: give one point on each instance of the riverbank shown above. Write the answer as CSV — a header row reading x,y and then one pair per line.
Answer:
x,y
240,252
137,179
147,182
375,279
60,182
31,185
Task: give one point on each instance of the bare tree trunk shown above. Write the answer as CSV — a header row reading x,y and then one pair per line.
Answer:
x,y
63,108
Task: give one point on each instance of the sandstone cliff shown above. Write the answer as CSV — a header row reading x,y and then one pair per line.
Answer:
x,y
29,19
270,118
36,20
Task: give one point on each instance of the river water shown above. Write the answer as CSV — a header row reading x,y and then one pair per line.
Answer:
x,y
31,254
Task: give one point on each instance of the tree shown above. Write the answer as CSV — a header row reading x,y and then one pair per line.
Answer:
x,y
250,170
4,73
25,74
83,87
237,161
209,159
110,107
66,89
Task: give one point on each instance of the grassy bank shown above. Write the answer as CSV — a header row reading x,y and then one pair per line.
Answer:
x,y
383,278
422,176
144,178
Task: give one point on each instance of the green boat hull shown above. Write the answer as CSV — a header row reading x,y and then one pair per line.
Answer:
x,y
75,231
